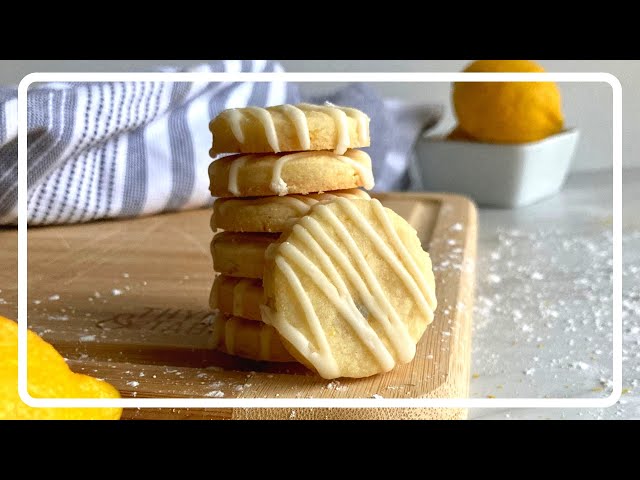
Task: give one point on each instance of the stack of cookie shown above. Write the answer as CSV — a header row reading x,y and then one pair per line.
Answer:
x,y
285,159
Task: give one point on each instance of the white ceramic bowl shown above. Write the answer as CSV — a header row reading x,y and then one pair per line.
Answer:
x,y
497,175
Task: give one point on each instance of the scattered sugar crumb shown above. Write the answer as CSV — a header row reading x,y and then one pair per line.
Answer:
x,y
493,278
214,394
88,338
292,415
530,371
54,297
96,294
116,291
606,382
335,385
125,275
580,365
133,383
537,276
456,227
37,302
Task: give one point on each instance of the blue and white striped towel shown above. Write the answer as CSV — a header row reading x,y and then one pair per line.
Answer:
x,y
108,150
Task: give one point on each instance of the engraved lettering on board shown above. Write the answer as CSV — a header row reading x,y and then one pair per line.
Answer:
x,y
170,321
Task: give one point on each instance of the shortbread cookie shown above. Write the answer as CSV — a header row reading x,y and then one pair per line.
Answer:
x,y
237,296
289,128
270,214
248,339
259,175
240,254
350,289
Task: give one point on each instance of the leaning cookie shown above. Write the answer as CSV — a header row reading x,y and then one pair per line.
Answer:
x,y
289,128
270,214
259,175
237,296
350,289
248,339
240,254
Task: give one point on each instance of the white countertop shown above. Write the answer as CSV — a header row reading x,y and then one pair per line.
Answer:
x,y
543,311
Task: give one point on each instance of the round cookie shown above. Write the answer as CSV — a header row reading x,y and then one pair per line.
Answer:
x,y
259,175
270,214
289,128
237,296
240,254
248,339
350,289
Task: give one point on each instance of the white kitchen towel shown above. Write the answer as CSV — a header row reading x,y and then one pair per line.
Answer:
x,y
107,150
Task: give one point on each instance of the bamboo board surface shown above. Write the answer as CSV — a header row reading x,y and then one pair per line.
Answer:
x,y
127,301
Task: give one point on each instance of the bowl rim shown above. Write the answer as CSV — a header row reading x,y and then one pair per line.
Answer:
x,y
565,132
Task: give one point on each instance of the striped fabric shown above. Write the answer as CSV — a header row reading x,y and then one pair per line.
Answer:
x,y
108,150
105,150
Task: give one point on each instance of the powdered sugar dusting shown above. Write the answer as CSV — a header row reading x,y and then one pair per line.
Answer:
x,y
550,315
214,394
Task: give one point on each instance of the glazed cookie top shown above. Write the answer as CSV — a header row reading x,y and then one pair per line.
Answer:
x,y
349,288
289,128
249,175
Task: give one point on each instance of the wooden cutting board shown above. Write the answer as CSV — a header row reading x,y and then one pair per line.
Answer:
x,y
127,301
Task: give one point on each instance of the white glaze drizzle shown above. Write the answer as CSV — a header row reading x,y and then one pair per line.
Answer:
x,y
340,119
236,165
280,187
397,266
297,116
370,290
266,120
299,120
366,285
364,171
233,119
407,258
323,352
277,184
342,302
361,122
326,252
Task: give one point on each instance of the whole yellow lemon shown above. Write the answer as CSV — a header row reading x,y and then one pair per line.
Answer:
x,y
507,112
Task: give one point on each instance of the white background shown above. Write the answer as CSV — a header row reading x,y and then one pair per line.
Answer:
x,y
587,106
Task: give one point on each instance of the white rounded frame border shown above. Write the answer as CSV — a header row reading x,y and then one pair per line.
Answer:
x,y
408,77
